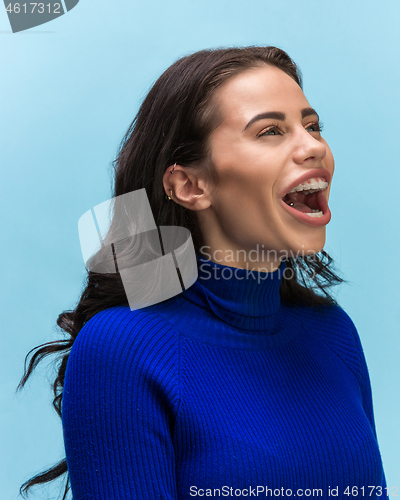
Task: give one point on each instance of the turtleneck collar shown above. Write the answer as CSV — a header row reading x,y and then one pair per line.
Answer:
x,y
243,298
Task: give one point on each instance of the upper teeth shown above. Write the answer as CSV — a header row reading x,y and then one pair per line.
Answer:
x,y
311,185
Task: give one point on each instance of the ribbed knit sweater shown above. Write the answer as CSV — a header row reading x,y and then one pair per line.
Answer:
x,y
222,391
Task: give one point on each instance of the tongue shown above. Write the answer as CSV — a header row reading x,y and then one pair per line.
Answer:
x,y
300,207
298,201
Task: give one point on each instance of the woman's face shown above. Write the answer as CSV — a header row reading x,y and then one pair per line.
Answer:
x,y
267,144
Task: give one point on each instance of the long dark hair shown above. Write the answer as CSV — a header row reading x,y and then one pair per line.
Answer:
x,y
173,124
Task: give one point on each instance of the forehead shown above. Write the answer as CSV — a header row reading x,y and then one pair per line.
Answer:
x,y
258,90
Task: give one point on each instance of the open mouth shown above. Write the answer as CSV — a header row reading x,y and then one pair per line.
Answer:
x,y
306,197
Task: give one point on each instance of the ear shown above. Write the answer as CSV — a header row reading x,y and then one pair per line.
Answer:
x,y
188,187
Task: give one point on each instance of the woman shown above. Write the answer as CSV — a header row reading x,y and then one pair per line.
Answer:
x,y
252,381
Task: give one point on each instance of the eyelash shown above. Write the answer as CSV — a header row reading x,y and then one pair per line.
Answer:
x,y
319,127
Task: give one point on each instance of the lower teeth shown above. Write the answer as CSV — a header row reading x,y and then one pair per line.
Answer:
x,y
315,213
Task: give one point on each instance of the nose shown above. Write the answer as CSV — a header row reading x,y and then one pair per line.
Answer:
x,y
307,147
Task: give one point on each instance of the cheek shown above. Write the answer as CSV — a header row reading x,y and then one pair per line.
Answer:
x,y
246,168
329,161
246,187
247,173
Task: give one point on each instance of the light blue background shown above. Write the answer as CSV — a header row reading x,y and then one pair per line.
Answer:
x,y
69,90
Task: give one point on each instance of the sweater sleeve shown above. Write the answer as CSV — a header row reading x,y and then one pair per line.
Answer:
x,y
120,400
365,386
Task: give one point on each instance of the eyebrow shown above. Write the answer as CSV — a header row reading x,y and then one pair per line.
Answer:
x,y
278,115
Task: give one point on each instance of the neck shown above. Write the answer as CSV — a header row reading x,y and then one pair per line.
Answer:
x,y
217,247
246,299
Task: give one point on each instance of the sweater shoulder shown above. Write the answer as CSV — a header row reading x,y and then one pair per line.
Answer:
x,y
334,327
331,320
119,327
123,345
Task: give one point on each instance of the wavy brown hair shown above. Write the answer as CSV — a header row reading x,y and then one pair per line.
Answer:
x,y
172,125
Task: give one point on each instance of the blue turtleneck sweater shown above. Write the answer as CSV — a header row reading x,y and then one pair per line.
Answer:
x,y
223,392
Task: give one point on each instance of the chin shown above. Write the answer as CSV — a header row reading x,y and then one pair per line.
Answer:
x,y
311,246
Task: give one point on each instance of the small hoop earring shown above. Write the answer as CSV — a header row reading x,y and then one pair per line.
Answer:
x,y
170,196
173,168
